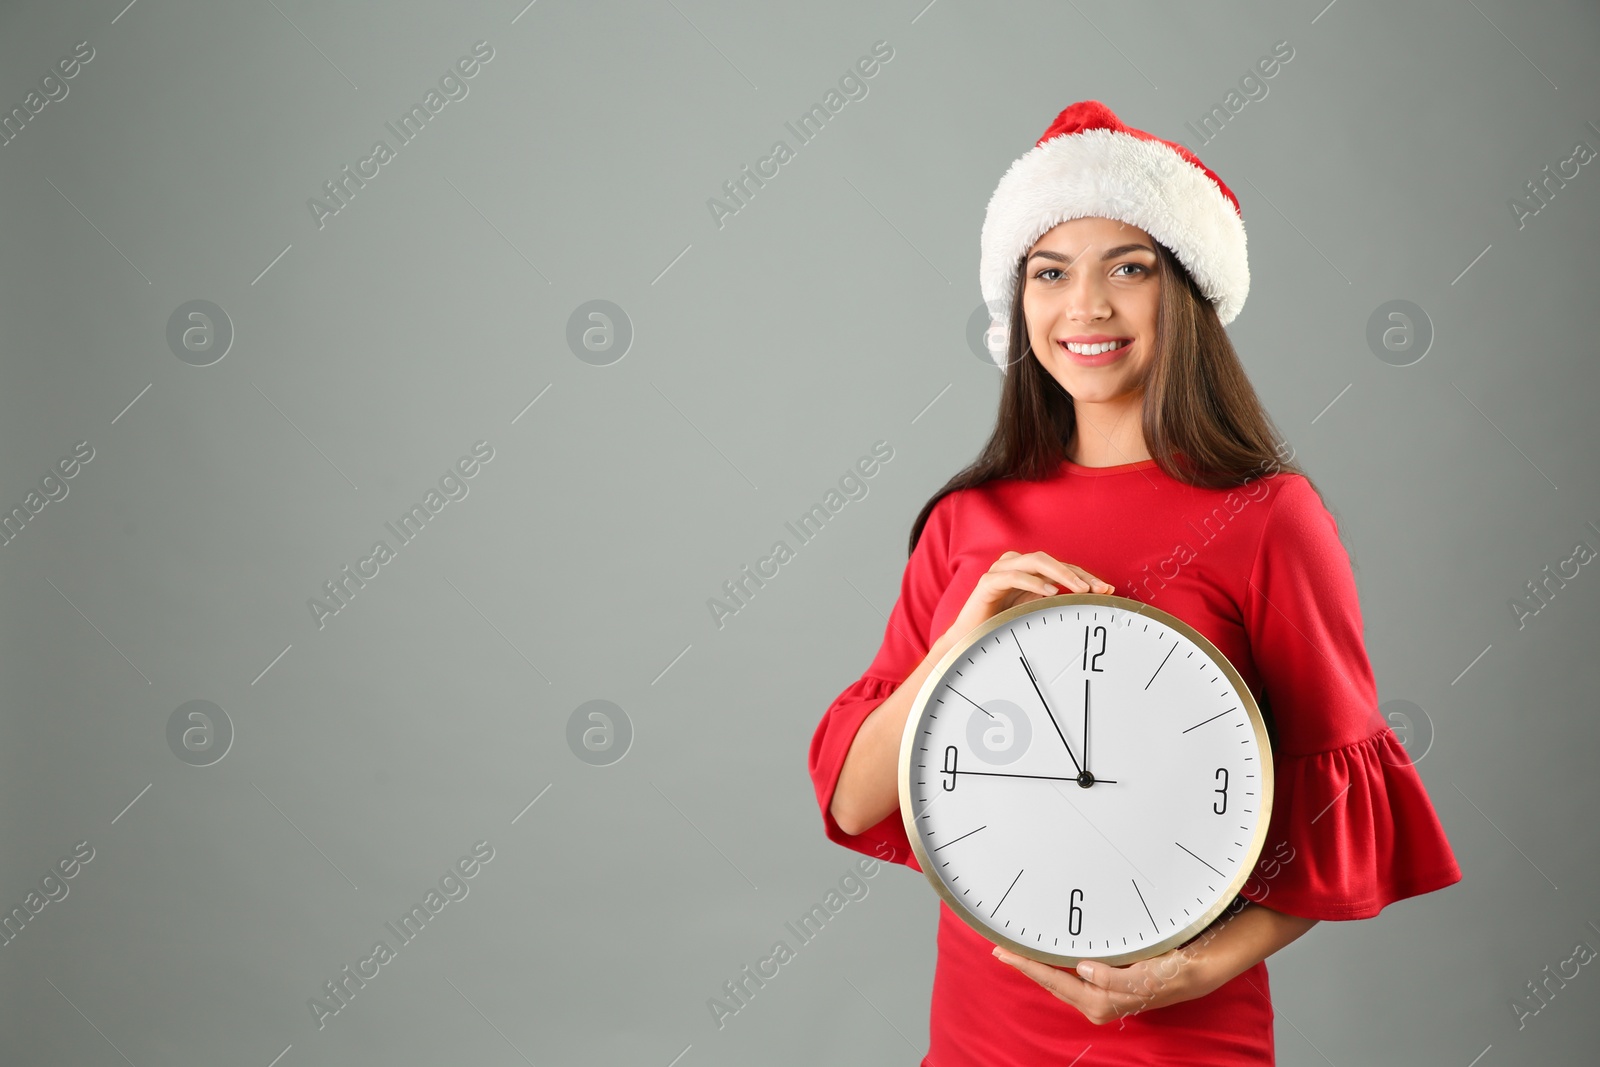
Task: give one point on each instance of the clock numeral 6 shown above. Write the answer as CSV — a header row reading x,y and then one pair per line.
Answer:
x,y
1092,664
1223,773
950,766
1074,913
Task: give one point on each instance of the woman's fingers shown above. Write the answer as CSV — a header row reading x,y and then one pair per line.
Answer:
x,y
1016,578
1104,993
1133,979
1099,584
1000,582
1067,575
1062,983
1094,1003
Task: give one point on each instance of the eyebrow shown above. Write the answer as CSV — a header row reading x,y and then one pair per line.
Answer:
x,y
1110,253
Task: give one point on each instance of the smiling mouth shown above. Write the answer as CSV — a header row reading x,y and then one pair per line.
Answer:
x,y
1096,355
1098,348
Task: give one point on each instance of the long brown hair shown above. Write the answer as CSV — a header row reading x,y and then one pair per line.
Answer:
x,y
1198,402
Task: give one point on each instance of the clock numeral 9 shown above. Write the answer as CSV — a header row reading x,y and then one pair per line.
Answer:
x,y
1091,664
950,766
1223,773
1074,913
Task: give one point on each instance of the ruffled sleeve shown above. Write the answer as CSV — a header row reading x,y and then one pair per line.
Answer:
x,y
1352,829
906,640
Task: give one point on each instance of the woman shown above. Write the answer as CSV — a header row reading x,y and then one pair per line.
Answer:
x,y
1130,442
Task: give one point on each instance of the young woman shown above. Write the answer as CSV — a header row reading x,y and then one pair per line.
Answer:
x,y
1131,455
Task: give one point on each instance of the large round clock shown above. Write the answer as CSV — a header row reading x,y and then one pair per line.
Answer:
x,y
1086,777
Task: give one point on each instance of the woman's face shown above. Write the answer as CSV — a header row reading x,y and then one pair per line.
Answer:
x,y
1092,283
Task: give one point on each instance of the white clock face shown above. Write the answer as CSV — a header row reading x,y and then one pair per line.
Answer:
x,y
1090,779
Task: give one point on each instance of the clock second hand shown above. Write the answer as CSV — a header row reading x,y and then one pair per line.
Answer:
x,y
1024,657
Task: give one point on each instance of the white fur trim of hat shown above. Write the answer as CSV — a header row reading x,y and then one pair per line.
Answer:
x,y
1089,163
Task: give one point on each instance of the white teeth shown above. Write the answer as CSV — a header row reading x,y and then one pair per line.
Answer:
x,y
1093,350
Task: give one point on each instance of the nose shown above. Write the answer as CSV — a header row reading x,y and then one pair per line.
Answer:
x,y
1085,298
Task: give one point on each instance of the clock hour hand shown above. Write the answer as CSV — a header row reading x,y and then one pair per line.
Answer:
x,y
1046,703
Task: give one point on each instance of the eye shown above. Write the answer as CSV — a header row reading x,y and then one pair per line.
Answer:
x,y
1042,275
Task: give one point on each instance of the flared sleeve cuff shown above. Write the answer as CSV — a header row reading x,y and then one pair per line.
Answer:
x,y
1352,831
830,744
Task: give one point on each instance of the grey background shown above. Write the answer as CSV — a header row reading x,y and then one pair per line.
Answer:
x,y
769,354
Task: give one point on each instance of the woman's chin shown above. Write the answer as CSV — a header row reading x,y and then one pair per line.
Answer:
x,y
1097,392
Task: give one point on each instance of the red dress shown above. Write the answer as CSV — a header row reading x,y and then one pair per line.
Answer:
x,y
1261,572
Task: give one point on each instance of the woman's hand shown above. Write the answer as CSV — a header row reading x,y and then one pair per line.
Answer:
x,y
867,790
1231,945
1017,578
1104,993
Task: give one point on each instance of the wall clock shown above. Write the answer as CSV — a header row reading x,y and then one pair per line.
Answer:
x,y
1086,777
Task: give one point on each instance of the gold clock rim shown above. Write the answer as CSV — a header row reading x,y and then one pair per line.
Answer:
x,y
1252,711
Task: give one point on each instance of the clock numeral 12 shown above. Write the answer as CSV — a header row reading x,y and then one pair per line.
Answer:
x,y
1090,664
1223,773
950,766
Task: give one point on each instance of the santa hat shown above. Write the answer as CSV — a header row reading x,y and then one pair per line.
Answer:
x,y
1089,163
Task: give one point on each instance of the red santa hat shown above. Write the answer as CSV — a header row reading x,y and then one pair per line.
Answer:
x,y
1089,163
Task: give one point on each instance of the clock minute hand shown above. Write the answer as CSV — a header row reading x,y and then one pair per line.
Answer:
x,y
1046,704
1086,726
1041,777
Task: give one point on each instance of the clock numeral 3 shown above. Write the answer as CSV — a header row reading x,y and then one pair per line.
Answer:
x,y
1222,772
1074,913
1088,663
950,766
